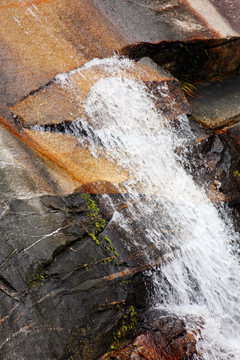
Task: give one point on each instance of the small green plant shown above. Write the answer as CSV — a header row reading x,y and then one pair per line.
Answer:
x,y
125,283
236,173
107,260
110,247
128,324
189,89
97,223
44,276
94,238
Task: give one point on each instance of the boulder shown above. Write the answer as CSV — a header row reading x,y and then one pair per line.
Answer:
x,y
216,104
63,100
164,339
72,277
40,39
62,103
65,280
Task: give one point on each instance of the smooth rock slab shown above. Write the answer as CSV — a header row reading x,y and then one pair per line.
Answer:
x,y
68,154
217,104
40,39
64,99
230,9
154,21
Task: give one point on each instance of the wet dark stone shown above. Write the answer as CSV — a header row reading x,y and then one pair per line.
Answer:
x,y
216,103
62,295
165,339
191,60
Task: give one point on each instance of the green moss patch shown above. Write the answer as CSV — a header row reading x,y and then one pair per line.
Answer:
x,y
127,326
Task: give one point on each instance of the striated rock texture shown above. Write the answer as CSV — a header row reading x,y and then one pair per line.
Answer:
x,y
71,278
164,339
64,99
64,280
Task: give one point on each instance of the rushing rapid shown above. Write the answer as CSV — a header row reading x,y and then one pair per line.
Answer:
x,y
200,283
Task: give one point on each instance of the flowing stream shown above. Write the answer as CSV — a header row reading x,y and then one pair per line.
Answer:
x,y
200,281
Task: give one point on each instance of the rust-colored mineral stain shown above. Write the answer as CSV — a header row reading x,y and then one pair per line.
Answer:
x,y
141,253
57,103
168,8
170,343
133,271
28,3
48,37
4,318
64,153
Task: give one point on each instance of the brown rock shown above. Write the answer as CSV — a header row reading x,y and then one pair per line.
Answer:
x,y
65,102
62,102
66,153
47,37
232,133
66,163
40,39
164,339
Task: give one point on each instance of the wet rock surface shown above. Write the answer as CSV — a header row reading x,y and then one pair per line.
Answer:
x,y
231,183
212,159
64,99
217,104
64,280
70,275
63,103
165,339
69,272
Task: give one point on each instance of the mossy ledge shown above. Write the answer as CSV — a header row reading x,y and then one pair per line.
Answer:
x,y
96,226
126,328
93,226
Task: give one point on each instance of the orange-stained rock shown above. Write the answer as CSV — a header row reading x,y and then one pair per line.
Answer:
x,y
40,39
66,153
164,339
60,165
47,175
64,100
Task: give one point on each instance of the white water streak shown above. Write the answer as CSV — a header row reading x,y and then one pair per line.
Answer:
x,y
201,283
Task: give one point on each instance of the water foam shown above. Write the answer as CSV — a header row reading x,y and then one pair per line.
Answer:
x,y
201,282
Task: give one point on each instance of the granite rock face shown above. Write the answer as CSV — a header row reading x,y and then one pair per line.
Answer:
x,y
165,339
64,279
70,274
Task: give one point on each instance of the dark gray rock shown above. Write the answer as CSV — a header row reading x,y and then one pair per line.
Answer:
x,y
64,278
217,103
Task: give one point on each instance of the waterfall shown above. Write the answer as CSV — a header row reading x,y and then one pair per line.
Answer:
x,y
200,281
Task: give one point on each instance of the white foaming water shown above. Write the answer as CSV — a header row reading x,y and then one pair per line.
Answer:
x,y
201,281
